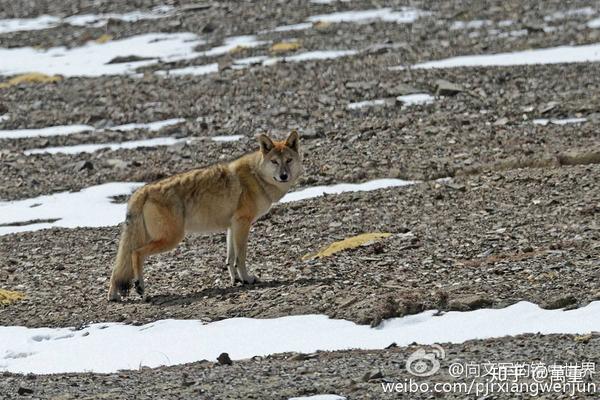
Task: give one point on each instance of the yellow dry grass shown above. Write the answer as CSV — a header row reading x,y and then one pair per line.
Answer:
x,y
8,297
284,47
321,25
237,49
103,38
349,243
32,77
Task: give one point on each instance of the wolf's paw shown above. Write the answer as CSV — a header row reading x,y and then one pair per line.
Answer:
x,y
113,295
251,279
139,287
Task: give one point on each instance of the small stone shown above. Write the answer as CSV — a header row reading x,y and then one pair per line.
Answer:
x,y
116,163
22,391
560,302
84,165
127,59
224,359
447,88
467,303
371,375
299,357
501,122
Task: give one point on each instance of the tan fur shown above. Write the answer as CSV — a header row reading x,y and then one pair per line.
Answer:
x,y
224,197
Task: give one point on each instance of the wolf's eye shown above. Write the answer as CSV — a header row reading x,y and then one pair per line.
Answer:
x,y
274,162
288,161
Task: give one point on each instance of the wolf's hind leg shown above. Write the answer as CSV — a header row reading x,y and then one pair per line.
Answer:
x,y
166,230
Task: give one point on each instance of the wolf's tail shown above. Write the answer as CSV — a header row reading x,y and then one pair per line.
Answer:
x,y
133,236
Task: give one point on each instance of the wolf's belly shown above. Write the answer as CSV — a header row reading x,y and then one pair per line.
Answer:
x,y
208,218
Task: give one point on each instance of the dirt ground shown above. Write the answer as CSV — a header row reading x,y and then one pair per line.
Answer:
x,y
518,220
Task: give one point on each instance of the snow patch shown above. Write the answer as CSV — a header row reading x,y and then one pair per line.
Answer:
x,y
318,191
559,15
93,58
564,121
92,20
191,70
366,103
407,100
106,348
405,15
227,138
151,126
417,98
89,207
59,130
90,148
594,23
232,43
63,130
551,55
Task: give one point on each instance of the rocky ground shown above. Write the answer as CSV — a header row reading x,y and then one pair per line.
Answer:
x,y
353,374
519,220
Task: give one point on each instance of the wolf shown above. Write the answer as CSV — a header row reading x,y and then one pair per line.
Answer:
x,y
224,197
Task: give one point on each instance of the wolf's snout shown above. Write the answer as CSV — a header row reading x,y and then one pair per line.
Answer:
x,y
283,177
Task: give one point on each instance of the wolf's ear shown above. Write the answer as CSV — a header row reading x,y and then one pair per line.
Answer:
x,y
292,141
265,142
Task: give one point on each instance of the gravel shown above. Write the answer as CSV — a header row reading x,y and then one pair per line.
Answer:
x,y
519,220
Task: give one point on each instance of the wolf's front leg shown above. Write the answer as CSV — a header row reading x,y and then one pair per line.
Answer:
x,y
241,230
231,257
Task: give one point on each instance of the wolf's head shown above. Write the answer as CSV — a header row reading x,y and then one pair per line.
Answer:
x,y
281,162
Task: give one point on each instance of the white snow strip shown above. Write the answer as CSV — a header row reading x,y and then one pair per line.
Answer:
x,y
132,144
317,191
232,43
90,207
564,121
60,130
227,138
366,103
98,20
244,62
151,126
405,15
106,348
407,100
551,55
594,23
49,21
310,56
294,27
90,148
416,98
328,1
586,12
63,130
28,24
93,58
319,55
474,24
191,70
